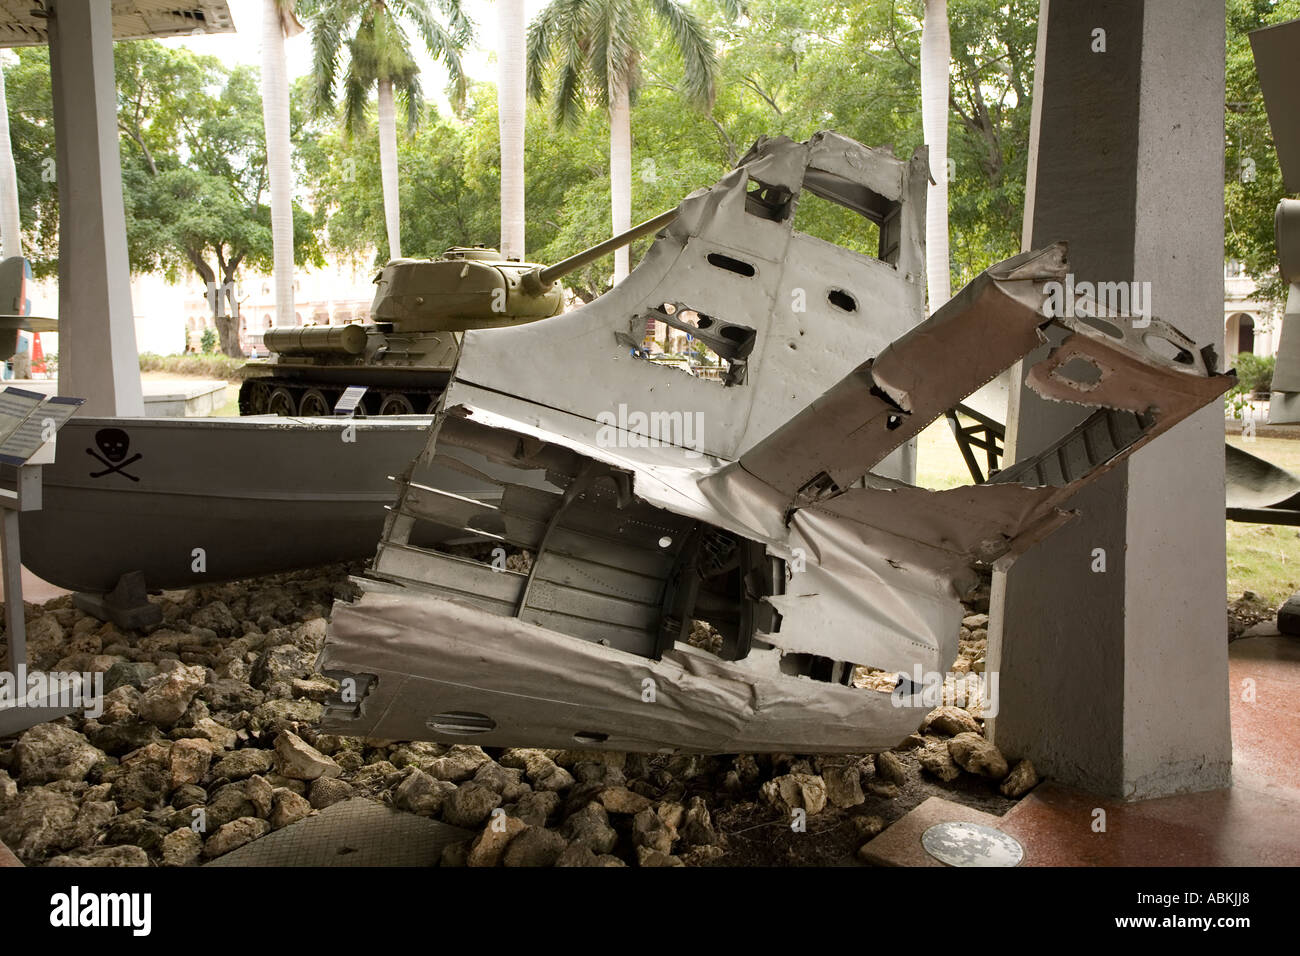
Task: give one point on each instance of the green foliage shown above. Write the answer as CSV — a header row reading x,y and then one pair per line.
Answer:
x,y
589,48
358,44
213,366
208,341
1254,372
193,153
1252,180
31,131
193,162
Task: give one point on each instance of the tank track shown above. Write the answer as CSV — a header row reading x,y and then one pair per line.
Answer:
x,y
291,397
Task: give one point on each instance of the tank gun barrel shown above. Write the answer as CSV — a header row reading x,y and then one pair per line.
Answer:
x,y
541,278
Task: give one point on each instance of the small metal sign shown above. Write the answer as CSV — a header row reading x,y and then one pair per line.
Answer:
x,y
971,844
350,400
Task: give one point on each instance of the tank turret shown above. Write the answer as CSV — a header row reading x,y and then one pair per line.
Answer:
x,y
406,353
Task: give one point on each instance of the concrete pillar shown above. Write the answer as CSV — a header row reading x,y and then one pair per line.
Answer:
x,y
1117,682
98,360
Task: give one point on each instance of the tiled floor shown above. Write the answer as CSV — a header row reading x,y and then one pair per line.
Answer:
x,y
1255,823
1236,827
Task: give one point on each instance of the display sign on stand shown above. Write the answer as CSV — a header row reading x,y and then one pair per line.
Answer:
x,y
29,423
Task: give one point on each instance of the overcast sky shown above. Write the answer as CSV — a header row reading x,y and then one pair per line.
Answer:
x,y
244,45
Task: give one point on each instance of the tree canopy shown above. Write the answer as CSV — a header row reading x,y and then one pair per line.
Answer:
x,y
195,171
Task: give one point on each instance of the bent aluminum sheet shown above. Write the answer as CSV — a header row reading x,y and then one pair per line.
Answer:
x,y
782,529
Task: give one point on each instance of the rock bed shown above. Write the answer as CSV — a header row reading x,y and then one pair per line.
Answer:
x,y
211,717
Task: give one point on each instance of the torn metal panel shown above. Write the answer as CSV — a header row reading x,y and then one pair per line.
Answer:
x,y
781,536
515,674
733,256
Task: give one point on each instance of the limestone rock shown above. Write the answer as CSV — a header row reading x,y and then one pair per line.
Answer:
x,y
296,758
416,753
507,781
208,729
890,768
129,673
282,662
556,779
535,846
49,752
275,716
460,763
144,784
260,794
105,856
168,696
469,805
422,794
39,820
135,830
287,807
614,759
649,830
230,694
535,807
949,721
188,795
182,847
92,817
622,800
579,854
795,791
489,846
937,761
233,835
597,774
590,827
533,762
974,754
1020,780
227,804
190,759
698,829
242,764
843,785
215,617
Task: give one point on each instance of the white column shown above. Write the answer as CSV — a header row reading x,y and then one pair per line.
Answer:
x,y
98,360
1117,681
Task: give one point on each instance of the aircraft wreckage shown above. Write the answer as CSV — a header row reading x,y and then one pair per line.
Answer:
x,y
781,519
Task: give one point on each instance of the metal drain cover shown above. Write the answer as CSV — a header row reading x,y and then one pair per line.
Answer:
x,y
971,844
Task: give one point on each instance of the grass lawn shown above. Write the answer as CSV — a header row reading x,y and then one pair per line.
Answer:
x,y
1265,558
1261,558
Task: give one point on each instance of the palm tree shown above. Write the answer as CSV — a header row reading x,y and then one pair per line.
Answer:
x,y
10,229
511,103
379,57
935,55
278,22
591,49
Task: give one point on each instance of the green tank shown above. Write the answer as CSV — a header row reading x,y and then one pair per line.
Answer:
x,y
405,355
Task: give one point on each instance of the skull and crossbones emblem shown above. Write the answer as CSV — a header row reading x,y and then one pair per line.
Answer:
x,y
114,443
